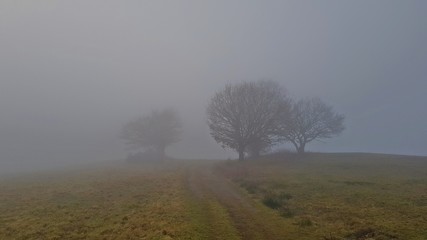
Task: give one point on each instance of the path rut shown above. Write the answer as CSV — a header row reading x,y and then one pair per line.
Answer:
x,y
247,219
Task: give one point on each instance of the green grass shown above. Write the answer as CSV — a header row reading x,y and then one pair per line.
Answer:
x,y
117,202
319,196
340,196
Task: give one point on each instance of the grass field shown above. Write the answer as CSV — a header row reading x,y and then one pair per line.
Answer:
x,y
340,196
115,202
319,196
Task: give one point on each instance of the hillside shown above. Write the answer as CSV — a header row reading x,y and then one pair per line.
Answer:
x,y
320,196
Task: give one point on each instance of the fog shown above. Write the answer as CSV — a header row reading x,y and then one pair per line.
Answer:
x,y
73,72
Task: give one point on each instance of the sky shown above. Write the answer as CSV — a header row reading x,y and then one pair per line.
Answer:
x,y
73,72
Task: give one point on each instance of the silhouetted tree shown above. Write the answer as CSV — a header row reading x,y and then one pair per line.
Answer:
x,y
153,132
310,119
257,148
245,114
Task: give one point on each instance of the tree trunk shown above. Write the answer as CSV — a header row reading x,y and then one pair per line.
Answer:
x,y
241,154
301,148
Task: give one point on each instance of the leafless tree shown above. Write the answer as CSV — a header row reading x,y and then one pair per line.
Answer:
x,y
247,113
255,149
153,132
310,119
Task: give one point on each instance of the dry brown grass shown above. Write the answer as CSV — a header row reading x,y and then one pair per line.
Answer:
x,y
117,202
340,196
320,196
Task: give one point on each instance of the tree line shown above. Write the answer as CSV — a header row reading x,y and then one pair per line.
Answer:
x,y
247,117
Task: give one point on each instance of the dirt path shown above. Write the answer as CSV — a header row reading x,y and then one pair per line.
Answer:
x,y
248,220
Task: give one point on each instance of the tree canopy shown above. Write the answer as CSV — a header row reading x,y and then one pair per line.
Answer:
x,y
154,131
310,119
247,114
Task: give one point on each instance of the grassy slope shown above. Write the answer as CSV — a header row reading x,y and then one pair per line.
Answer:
x,y
340,196
242,218
120,202
333,195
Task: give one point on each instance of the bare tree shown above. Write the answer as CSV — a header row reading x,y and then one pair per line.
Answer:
x,y
153,132
310,119
245,114
256,148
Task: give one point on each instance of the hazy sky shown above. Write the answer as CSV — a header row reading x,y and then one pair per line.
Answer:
x,y
72,72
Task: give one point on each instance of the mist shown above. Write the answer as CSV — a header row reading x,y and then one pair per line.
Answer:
x,y
73,72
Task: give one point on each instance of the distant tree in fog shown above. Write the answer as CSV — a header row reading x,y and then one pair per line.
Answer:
x,y
310,119
153,132
247,114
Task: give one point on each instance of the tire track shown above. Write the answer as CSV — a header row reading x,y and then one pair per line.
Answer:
x,y
250,222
